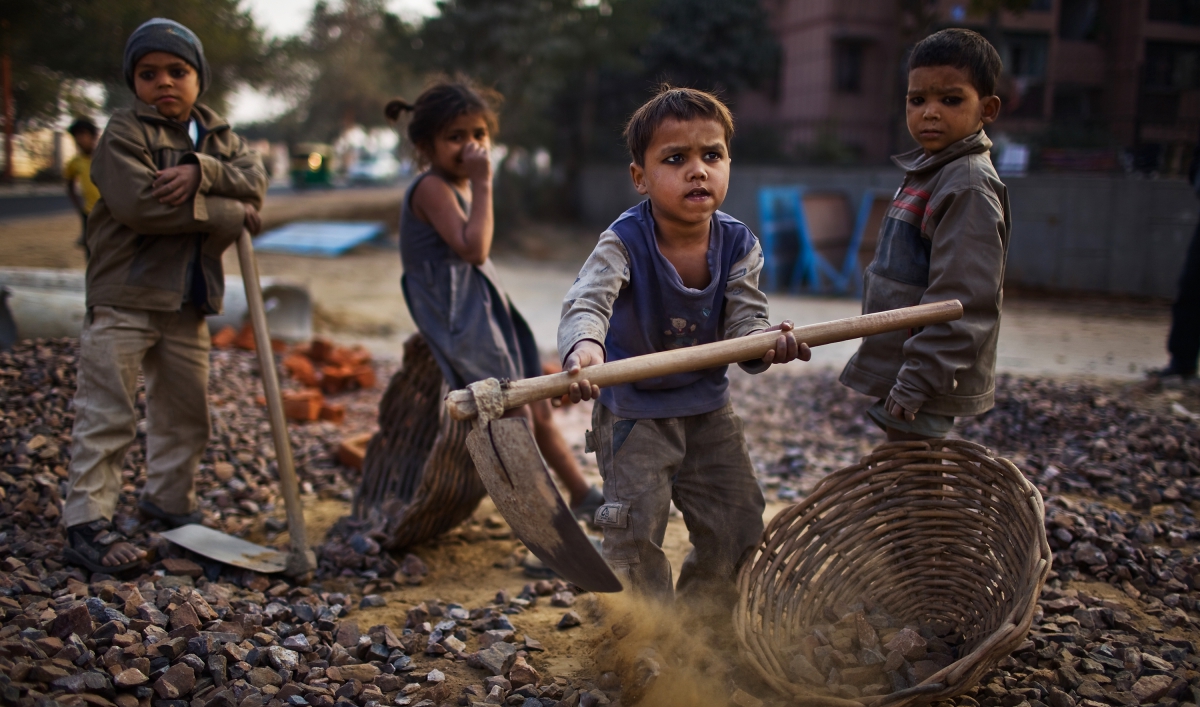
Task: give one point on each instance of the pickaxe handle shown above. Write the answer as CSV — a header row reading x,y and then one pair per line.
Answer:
x,y
461,403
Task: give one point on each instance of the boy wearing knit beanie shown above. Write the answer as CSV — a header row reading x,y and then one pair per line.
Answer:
x,y
177,186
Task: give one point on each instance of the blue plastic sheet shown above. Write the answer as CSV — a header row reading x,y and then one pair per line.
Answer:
x,y
324,239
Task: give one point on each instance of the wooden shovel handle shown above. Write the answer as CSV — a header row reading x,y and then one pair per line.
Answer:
x,y
461,403
300,560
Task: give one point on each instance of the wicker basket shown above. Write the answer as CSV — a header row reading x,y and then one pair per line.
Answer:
x,y
929,531
418,478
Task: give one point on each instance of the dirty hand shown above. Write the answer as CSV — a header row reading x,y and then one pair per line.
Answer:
x,y
786,349
898,411
252,220
585,353
175,185
478,161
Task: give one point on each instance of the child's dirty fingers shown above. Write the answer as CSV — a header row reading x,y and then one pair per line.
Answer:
x,y
803,352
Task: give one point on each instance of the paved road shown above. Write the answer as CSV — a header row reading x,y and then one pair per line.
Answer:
x,y
33,205
1037,336
45,201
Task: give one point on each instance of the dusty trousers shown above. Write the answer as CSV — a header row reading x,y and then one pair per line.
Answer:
x,y
701,463
171,348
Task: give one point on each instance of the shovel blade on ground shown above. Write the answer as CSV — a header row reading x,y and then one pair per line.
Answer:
x,y
224,548
516,477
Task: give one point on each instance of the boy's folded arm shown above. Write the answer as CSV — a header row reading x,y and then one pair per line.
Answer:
x,y
243,177
124,172
967,264
745,304
589,303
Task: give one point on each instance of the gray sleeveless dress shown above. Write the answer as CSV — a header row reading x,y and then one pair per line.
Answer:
x,y
464,314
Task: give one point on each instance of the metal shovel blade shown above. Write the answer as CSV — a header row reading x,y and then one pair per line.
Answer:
x,y
228,549
516,477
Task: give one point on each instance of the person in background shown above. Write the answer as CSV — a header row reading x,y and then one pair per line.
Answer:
x,y
78,172
449,282
1183,343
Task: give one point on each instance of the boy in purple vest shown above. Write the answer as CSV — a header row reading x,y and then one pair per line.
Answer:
x,y
673,272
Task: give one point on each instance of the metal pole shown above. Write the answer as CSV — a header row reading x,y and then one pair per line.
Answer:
x,y
6,77
301,560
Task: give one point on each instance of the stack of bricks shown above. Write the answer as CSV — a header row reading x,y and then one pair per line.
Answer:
x,y
322,369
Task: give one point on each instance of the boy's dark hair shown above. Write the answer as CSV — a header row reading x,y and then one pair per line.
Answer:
x,y
438,105
962,49
82,125
677,103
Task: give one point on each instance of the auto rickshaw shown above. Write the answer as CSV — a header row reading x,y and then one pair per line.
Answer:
x,y
311,165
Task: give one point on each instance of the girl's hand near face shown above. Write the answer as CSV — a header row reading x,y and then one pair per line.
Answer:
x,y
477,160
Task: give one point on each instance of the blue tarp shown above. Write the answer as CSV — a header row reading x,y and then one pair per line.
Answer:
x,y
326,239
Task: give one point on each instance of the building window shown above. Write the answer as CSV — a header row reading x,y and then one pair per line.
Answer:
x,y
1076,103
1170,70
1172,67
1184,12
1025,55
847,65
1077,19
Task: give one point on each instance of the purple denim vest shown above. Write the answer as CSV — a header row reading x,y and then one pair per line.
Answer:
x,y
657,312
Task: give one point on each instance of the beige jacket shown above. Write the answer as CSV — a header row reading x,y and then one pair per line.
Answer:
x,y
945,237
145,254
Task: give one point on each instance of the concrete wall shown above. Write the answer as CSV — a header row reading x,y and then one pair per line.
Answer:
x,y
1110,234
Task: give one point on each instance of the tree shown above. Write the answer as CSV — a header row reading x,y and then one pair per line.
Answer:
x,y
350,61
528,50
712,44
54,45
569,69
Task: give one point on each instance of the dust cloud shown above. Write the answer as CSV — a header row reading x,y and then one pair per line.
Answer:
x,y
681,655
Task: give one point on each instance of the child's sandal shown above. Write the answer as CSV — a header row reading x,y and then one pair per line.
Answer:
x,y
150,510
88,543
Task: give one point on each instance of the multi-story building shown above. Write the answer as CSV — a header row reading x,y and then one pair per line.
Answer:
x,y
1115,79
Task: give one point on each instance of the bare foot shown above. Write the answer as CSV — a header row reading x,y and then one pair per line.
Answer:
x,y
121,553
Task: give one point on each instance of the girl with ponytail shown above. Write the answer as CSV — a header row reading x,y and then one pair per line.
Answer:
x,y
449,282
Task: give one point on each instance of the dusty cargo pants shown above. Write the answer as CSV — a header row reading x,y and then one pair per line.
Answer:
x,y
701,463
171,348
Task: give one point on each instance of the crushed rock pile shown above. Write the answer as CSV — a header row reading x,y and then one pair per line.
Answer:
x,y
1117,624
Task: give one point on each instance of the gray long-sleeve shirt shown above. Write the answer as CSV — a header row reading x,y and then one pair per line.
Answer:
x,y
589,303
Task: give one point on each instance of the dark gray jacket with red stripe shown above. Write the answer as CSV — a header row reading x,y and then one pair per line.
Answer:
x,y
945,237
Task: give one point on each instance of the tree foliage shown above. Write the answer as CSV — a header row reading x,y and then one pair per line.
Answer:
x,y
715,44
562,64
54,44
341,71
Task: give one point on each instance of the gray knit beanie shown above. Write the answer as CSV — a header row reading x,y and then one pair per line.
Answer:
x,y
163,35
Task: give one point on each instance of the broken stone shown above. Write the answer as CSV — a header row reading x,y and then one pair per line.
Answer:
x,y
569,620
521,673
176,682
130,677
497,658
1150,688
909,643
